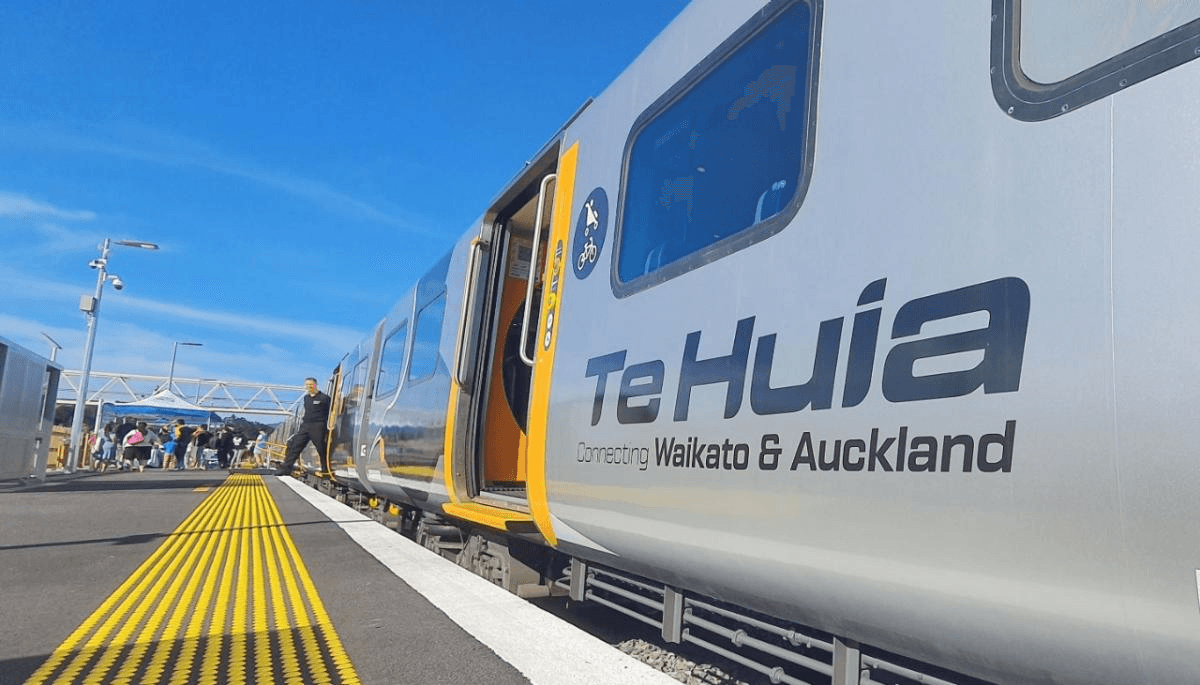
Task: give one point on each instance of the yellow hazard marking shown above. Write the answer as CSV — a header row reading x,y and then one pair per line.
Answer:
x,y
202,488
226,599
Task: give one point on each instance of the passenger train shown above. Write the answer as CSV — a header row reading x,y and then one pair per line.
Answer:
x,y
852,339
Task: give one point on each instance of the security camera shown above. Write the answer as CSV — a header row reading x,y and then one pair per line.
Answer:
x,y
96,263
118,283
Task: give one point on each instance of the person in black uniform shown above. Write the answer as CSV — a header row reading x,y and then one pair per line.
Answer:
x,y
312,429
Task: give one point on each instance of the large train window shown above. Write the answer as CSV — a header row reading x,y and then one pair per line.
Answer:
x,y
722,160
391,361
1051,57
427,336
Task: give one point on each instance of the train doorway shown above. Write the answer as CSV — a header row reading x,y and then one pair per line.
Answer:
x,y
495,457
513,295
336,446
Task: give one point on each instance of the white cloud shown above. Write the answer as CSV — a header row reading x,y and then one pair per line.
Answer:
x,y
59,239
334,338
270,337
16,284
128,347
131,347
28,333
23,206
168,149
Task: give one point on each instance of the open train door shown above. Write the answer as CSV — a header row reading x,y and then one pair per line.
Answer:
x,y
495,458
335,410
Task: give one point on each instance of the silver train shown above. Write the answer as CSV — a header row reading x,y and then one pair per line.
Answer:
x,y
866,317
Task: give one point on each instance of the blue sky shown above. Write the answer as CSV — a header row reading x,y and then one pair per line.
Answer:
x,y
299,163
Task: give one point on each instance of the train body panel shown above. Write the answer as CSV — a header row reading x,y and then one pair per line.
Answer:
x,y
390,362
835,315
841,486
404,436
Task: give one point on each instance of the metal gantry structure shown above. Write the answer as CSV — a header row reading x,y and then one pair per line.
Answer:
x,y
221,396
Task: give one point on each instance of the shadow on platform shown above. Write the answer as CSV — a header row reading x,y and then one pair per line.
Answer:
x,y
144,538
17,671
100,482
303,654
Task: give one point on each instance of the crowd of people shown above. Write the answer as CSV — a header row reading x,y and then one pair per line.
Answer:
x,y
132,445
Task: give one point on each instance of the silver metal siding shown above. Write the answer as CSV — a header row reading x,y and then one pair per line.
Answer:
x,y
24,430
1156,145
1079,563
423,406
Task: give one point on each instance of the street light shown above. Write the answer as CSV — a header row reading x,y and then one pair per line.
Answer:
x,y
90,305
174,350
54,346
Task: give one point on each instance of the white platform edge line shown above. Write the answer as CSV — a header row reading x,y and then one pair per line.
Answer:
x,y
545,649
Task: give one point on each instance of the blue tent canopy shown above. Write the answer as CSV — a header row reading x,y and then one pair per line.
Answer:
x,y
163,405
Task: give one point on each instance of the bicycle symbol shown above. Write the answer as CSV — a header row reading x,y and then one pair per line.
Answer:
x,y
587,254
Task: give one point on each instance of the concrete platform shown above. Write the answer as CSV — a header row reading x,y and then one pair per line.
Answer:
x,y
72,548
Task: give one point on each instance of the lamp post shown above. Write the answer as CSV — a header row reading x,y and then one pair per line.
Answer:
x,y
90,305
54,346
174,350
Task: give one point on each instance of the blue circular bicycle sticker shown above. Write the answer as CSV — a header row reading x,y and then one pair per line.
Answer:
x,y
590,229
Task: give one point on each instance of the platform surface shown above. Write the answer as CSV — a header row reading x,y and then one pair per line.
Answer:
x,y
203,576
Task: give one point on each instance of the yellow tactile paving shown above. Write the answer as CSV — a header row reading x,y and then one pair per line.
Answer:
x,y
226,599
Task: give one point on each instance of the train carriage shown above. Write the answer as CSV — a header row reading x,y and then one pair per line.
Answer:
x,y
870,317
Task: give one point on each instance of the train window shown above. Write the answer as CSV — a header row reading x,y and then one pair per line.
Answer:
x,y
347,379
722,160
426,340
359,380
391,361
1051,57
